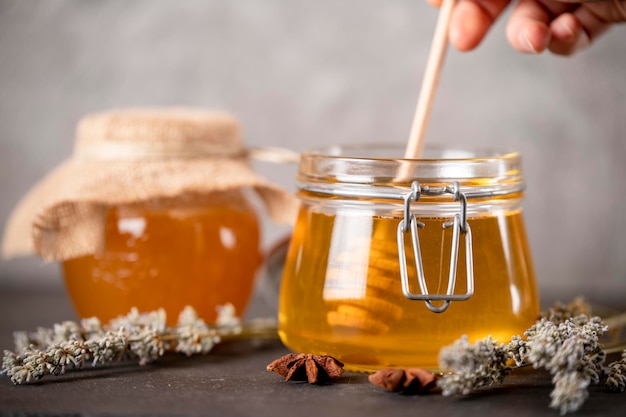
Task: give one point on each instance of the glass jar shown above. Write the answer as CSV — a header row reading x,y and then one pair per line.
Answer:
x,y
392,259
201,251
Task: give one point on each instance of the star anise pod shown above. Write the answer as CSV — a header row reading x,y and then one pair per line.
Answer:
x,y
406,381
305,367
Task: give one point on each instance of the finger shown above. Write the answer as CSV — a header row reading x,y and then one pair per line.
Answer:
x,y
436,3
471,20
620,11
528,28
593,24
586,25
567,35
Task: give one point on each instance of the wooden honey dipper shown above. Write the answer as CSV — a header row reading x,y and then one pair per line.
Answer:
x,y
360,283
371,311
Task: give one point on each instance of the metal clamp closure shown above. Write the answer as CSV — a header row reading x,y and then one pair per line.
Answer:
x,y
459,225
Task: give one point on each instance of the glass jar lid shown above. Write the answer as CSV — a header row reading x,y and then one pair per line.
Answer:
x,y
353,170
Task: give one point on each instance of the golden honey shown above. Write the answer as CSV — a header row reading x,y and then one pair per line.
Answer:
x,y
197,251
341,293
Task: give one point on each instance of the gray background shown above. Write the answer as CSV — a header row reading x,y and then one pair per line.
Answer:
x,y
303,73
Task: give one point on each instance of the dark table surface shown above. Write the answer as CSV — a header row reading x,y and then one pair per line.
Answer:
x,y
232,381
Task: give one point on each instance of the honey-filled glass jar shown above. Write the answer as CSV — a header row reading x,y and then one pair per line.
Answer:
x,y
157,208
391,259
201,251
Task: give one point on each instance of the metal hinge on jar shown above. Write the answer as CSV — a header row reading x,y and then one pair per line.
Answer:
x,y
459,225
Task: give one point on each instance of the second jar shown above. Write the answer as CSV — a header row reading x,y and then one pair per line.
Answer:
x,y
391,259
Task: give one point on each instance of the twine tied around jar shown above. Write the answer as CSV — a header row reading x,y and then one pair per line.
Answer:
x,y
131,156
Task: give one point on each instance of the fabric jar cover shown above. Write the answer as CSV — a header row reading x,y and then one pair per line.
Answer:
x,y
129,156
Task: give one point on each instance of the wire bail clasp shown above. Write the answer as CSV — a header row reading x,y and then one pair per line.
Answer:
x,y
459,225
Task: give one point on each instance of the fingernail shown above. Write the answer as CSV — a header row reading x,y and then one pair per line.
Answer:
x,y
564,31
569,30
525,42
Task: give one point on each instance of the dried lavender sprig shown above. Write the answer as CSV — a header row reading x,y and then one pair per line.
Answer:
x,y
561,312
569,350
192,335
616,374
475,365
68,330
142,337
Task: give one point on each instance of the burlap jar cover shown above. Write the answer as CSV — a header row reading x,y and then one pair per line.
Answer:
x,y
130,156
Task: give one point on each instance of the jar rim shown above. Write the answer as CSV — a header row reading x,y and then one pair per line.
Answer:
x,y
432,153
486,171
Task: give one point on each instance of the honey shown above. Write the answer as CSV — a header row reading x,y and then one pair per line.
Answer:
x,y
400,332
201,251
341,293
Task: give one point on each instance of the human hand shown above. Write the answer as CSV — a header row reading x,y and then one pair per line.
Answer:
x,y
561,26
